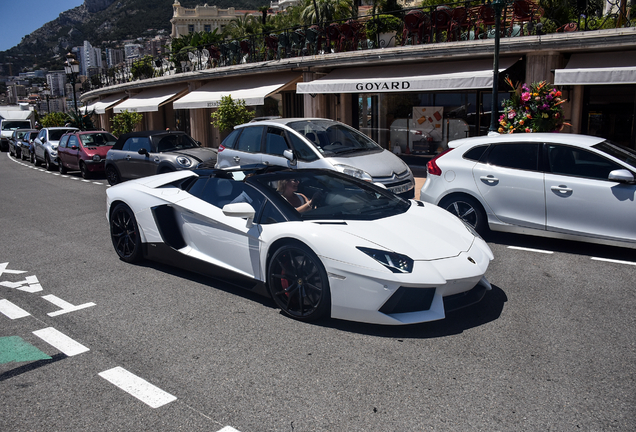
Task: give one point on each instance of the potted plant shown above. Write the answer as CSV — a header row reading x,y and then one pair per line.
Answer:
x,y
382,29
532,108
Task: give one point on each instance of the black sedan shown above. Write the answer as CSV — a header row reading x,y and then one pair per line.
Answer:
x,y
141,154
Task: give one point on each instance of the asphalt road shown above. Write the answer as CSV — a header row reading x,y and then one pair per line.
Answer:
x,y
551,348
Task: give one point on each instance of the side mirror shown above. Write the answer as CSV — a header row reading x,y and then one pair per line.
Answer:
x,y
289,155
621,176
240,210
142,151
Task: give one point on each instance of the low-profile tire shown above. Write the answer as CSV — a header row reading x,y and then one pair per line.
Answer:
x,y
468,209
84,170
36,161
48,163
112,176
18,153
298,283
61,167
32,158
124,233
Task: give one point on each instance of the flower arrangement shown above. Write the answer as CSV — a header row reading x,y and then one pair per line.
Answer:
x,y
532,108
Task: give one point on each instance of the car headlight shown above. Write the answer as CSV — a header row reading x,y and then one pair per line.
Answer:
x,y
184,161
395,262
96,158
354,172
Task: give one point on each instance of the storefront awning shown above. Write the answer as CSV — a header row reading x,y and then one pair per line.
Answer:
x,y
253,90
151,99
463,75
597,69
101,106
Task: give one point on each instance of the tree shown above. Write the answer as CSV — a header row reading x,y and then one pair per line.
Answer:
x,y
82,121
125,122
54,119
231,113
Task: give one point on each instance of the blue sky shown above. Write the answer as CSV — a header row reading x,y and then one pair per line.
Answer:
x,y
22,17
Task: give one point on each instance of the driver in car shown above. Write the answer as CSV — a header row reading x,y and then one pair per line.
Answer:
x,y
288,188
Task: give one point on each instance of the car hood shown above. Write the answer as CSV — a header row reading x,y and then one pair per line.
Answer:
x,y
100,150
200,153
422,233
381,164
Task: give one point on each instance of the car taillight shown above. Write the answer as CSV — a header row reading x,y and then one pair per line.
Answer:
x,y
432,167
221,148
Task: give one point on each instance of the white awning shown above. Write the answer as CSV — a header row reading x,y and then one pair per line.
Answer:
x,y
599,68
455,75
100,106
253,90
151,99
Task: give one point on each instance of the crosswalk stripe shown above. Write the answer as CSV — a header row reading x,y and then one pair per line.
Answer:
x,y
60,341
137,387
12,311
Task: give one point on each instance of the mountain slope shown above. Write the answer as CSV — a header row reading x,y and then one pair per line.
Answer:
x,y
103,23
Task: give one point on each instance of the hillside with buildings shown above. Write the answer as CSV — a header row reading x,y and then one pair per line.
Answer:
x,y
104,24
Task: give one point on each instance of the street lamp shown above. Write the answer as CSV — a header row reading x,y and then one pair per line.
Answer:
x,y
497,6
71,67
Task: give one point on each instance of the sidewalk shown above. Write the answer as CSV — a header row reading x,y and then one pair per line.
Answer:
x,y
419,172
418,167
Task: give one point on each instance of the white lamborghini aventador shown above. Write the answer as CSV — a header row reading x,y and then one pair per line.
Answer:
x,y
320,243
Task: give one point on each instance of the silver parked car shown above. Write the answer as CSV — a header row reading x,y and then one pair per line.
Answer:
x,y
141,154
548,184
45,146
316,143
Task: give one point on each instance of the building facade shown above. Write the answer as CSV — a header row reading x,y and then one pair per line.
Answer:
x,y
203,18
411,99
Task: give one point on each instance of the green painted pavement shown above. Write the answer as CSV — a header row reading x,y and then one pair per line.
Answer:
x,y
16,349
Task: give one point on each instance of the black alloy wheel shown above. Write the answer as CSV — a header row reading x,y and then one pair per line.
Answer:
x,y
298,283
61,167
124,233
467,209
112,176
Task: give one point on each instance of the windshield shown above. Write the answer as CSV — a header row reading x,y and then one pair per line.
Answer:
x,y
98,139
56,134
326,195
176,142
332,138
624,154
18,124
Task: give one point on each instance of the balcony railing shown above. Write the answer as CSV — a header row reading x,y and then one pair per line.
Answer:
x,y
448,23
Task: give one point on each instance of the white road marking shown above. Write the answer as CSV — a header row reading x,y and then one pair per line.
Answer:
x,y
228,429
12,311
3,269
65,306
60,341
530,250
614,261
137,387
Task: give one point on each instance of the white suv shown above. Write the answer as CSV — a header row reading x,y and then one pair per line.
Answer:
x,y
316,143
548,184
